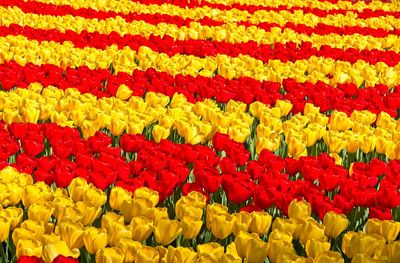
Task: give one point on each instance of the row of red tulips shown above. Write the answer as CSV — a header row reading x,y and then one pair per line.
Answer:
x,y
102,83
223,173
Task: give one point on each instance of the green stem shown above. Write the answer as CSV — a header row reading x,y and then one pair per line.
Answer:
x,y
3,254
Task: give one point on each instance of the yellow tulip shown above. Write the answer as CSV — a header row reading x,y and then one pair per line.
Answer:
x,y
315,248
109,254
40,212
159,213
191,227
147,255
296,147
77,189
312,230
334,224
336,141
364,244
89,212
14,216
286,225
339,121
95,239
5,229
94,195
187,209
72,233
390,230
147,193
330,257
167,231
53,250
179,255
257,251
213,249
137,207
242,222
142,227
35,193
60,205
198,199
280,235
299,209
159,132
364,258
116,232
111,217
373,226
241,243
70,213
28,247
222,225
123,92
36,227
285,106
129,248
367,142
260,222
277,248
15,193
212,210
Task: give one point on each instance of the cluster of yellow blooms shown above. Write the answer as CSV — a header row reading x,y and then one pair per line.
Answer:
x,y
61,221
235,15
339,132
328,70
198,122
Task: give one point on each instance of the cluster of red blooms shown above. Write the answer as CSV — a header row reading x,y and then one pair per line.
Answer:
x,y
59,259
165,167
102,83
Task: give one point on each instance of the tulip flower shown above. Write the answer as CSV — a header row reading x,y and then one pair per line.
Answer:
x,y
312,230
109,254
299,210
116,232
260,222
89,212
52,250
180,255
124,92
147,193
334,224
147,255
95,239
315,248
77,189
40,212
142,227
72,234
111,217
28,247
214,250
191,227
242,222
212,210
137,207
222,225
129,248
167,231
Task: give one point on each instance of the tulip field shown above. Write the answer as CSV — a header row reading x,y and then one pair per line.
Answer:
x,y
199,131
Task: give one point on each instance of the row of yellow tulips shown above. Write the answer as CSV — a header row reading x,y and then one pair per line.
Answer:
x,y
197,123
237,34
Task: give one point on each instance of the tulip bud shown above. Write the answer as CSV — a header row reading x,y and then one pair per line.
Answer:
x,y
159,213
277,248
334,224
167,231
314,247
142,227
260,222
159,132
52,250
96,196
277,234
15,193
28,247
95,239
34,193
109,254
72,233
241,243
36,227
299,210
